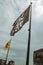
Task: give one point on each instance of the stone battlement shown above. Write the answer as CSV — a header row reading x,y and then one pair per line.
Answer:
x,y
38,57
2,62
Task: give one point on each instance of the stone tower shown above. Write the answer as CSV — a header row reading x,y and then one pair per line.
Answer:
x,y
38,57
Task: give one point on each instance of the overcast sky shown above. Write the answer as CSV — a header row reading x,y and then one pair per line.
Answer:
x,y
9,11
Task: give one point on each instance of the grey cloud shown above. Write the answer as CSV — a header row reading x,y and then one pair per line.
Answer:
x,y
42,2
8,14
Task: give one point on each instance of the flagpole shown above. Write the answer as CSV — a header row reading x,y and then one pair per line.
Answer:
x,y
7,56
29,35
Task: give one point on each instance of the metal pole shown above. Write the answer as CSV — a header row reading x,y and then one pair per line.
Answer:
x,y
29,35
7,56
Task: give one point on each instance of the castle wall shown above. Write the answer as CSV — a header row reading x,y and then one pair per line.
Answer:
x,y
38,57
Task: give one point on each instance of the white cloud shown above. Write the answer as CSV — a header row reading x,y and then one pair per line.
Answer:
x,y
8,14
39,8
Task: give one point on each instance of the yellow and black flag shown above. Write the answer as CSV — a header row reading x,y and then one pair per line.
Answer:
x,y
21,20
7,46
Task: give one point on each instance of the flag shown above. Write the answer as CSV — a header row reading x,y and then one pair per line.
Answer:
x,y
7,46
21,20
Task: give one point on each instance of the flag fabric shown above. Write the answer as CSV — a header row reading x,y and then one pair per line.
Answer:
x,y
7,46
20,21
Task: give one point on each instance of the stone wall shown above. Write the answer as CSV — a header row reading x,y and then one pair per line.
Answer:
x,y
38,57
2,62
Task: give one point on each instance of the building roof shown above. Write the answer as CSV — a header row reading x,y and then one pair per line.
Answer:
x,y
39,50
